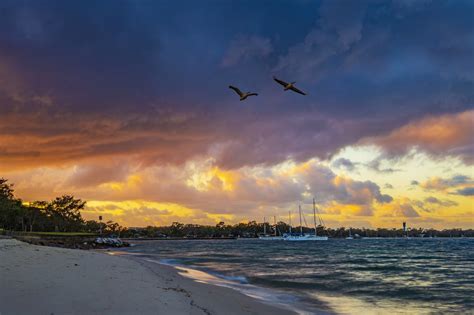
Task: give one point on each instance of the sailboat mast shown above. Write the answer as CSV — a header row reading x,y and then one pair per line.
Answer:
x,y
301,223
275,222
289,219
314,217
264,227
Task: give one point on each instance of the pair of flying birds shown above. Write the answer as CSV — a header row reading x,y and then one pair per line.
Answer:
x,y
287,86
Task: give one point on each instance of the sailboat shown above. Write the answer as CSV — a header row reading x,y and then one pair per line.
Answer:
x,y
268,237
306,237
350,235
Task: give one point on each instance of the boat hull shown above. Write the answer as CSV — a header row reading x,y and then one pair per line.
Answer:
x,y
305,238
270,238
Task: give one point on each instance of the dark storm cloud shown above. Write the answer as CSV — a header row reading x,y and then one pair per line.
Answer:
x,y
385,61
84,54
149,79
468,191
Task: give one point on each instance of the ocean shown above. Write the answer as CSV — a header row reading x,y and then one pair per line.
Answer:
x,y
338,276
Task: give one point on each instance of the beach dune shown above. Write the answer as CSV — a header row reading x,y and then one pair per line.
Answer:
x,y
48,280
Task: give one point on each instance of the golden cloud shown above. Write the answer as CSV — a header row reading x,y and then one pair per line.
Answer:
x,y
449,134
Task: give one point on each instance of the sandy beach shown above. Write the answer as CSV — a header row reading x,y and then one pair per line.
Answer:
x,y
48,280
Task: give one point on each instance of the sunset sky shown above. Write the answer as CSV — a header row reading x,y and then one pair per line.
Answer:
x,y
126,104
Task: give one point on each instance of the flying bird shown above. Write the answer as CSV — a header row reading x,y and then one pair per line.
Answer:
x,y
243,96
289,86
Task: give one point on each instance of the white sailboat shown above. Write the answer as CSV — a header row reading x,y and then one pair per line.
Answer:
x,y
306,237
350,235
268,237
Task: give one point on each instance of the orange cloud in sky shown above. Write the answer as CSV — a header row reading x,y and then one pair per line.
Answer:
x,y
162,195
448,185
206,192
441,135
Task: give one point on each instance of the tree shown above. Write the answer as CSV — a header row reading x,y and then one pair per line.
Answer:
x,y
177,229
92,226
112,227
6,189
11,209
65,213
36,211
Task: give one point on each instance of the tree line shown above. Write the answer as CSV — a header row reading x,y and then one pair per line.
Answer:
x,y
62,214
253,229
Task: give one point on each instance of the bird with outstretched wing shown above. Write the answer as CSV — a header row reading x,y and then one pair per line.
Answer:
x,y
288,86
280,81
236,90
297,91
242,95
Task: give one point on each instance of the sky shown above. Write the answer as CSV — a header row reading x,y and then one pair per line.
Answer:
x,y
126,104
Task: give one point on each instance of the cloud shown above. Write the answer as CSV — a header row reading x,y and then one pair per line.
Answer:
x,y
79,97
63,138
203,186
444,203
244,48
467,191
444,135
404,208
376,165
268,142
95,174
339,27
443,184
351,43
456,185
287,184
130,102
344,163
143,213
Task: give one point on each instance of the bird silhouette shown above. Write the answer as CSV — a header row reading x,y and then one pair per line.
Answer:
x,y
243,96
289,86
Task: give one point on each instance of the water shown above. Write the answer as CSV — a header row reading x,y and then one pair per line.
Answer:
x,y
336,276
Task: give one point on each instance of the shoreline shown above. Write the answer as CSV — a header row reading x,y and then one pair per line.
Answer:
x,y
58,280
199,277
271,297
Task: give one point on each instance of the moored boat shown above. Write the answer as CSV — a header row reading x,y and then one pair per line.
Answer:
x,y
302,236
268,237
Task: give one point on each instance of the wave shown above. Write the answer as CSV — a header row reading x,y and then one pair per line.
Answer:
x,y
426,276
239,283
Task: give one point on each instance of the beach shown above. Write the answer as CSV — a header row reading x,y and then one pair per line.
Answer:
x,y
49,280
338,276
